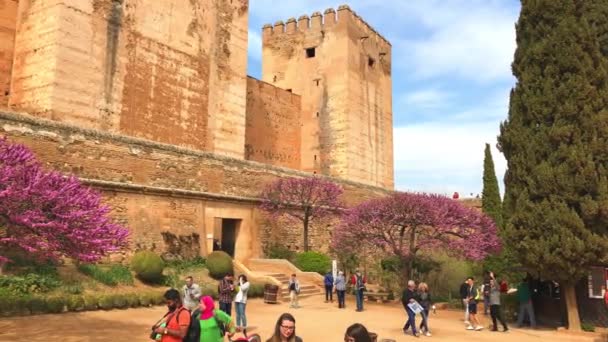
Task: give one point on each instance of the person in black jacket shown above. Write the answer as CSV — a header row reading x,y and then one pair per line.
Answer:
x,y
408,297
464,290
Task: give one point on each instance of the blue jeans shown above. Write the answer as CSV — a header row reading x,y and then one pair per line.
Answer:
x,y
424,326
226,307
359,297
411,321
241,319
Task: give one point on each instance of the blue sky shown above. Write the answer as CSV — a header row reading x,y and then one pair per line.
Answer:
x,y
451,81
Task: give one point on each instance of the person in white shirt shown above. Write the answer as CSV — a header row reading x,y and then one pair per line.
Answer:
x,y
192,294
240,302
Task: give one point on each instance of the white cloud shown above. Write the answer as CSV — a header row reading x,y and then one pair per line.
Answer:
x,y
444,158
424,98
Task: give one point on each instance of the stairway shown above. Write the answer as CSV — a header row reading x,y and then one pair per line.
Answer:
x,y
306,290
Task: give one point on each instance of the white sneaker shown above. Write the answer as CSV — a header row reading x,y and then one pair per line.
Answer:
x,y
479,328
470,327
467,322
427,334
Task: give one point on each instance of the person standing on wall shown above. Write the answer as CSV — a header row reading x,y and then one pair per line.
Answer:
x,y
358,282
225,290
192,294
340,284
329,287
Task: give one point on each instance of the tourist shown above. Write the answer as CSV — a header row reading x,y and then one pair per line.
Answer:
x,y
525,304
225,290
213,321
357,333
464,289
358,281
473,295
409,297
424,298
173,327
285,330
192,294
240,303
485,289
294,291
329,287
340,284
495,311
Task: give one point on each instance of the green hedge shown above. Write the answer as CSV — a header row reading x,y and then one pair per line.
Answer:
x,y
313,262
256,290
219,264
148,266
29,283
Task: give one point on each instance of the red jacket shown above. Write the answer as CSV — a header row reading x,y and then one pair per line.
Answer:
x,y
353,280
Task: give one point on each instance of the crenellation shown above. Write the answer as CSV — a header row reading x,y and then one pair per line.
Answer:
x,y
329,17
303,23
291,25
316,21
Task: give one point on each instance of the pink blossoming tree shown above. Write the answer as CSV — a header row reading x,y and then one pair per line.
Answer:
x,y
404,224
303,200
47,215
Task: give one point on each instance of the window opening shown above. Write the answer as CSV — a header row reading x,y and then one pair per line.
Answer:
x,y
371,62
310,52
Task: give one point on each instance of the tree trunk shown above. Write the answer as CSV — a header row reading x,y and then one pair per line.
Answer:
x,y
574,321
306,234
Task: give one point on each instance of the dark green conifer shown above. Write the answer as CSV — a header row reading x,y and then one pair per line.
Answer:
x,y
490,200
555,141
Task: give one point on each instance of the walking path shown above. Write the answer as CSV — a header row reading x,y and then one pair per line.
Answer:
x,y
316,322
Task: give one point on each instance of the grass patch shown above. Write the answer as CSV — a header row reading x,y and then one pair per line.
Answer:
x,y
115,275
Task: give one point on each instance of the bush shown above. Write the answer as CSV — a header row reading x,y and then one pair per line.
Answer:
x,y
90,302
588,327
209,290
313,262
29,283
185,265
120,301
116,274
106,302
55,304
132,300
75,303
37,305
158,298
145,299
148,266
276,251
219,264
256,291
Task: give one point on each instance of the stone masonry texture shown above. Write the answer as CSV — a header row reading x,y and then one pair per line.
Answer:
x,y
149,102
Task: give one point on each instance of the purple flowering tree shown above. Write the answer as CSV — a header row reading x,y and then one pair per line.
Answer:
x,y
47,215
303,200
405,224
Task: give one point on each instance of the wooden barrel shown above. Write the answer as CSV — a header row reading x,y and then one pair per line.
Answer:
x,y
271,293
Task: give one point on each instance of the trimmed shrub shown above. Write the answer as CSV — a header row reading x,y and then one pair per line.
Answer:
x,y
256,290
148,266
74,289
219,264
106,302
132,300
121,274
313,262
145,299
90,302
75,303
158,298
55,304
36,305
120,301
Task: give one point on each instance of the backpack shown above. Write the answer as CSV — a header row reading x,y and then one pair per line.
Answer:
x,y
194,329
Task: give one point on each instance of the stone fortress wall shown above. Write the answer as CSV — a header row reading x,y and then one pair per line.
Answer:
x,y
149,102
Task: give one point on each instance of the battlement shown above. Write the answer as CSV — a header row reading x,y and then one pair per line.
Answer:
x,y
318,21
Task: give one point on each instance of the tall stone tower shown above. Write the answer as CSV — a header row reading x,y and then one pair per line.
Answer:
x,y
342,69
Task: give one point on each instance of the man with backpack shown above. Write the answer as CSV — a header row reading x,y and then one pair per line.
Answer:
x,y
358,281
173,327
225,290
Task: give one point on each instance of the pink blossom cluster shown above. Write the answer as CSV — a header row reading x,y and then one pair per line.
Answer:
x,y
301,198
48,215
403,224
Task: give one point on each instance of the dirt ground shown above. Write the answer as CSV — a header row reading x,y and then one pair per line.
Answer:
x,y
316,322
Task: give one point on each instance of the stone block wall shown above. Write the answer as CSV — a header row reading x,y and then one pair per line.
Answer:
x,y
170,71
273,133
156,188
8,22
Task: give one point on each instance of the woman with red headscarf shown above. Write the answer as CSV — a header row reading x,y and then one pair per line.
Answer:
x,y
212,321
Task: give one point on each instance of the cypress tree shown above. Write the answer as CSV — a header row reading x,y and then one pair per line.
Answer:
x,y
555,141
490,199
